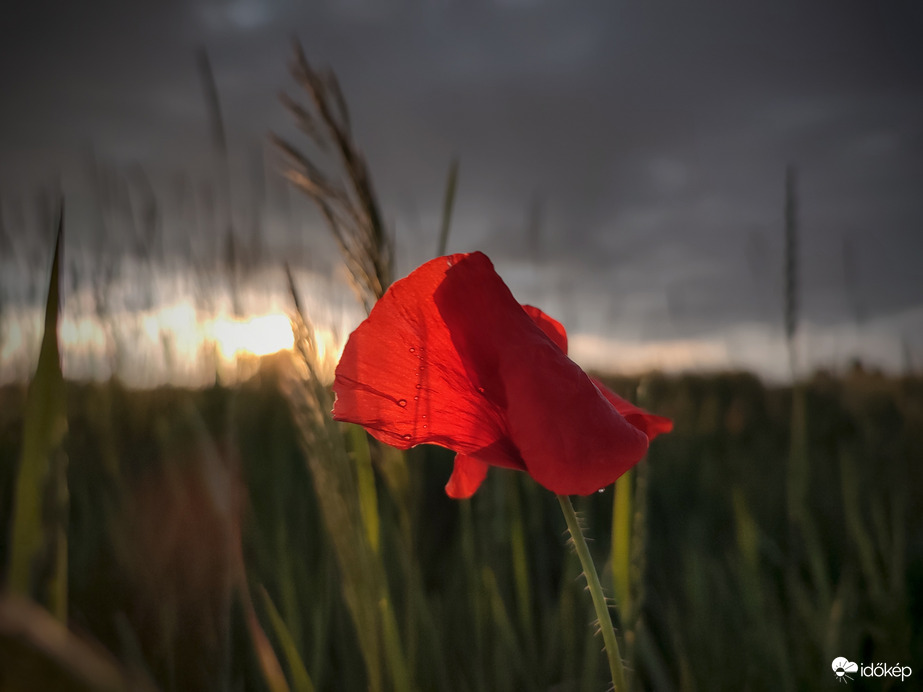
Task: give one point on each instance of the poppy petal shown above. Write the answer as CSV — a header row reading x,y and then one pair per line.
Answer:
x,y
570,437
467,476
648,423
401,377
553,329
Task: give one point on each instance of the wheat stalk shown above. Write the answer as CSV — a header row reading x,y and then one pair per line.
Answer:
x,y
345,197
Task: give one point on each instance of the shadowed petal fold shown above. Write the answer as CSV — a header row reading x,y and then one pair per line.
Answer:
x,y
648,423
570,437
553,329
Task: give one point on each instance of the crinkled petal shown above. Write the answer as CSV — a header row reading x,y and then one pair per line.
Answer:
x,y
571,439
467,476
402,378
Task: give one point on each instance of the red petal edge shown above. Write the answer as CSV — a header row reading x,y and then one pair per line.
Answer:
x,y
650,424
467,476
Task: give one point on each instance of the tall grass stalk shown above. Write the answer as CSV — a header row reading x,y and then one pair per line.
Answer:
x,y
621,543
448,203
792,302
345,493
231,254
345,197
39,522
343,474
798,477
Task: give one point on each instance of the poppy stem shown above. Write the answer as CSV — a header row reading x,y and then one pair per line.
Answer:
x,y
596,592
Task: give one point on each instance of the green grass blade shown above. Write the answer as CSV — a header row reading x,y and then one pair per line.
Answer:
x,y
621,544
864,545
43,430
507,646
298,673
394,651
269,663
368,496
748,533
798,476
520,562
447,205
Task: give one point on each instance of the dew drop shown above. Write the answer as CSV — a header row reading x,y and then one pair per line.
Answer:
x,y
406,437
601,491
419,386
481,390
416,398
402,402
413,350
424,426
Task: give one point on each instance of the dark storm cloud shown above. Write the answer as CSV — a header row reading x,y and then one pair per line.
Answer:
x,y
637,148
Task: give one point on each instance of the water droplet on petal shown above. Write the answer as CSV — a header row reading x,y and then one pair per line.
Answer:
x,y
413,350
419,386
601,491
416,398
402,402
481,390
406,437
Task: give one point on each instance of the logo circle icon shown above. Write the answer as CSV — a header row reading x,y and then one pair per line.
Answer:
x,y
841,666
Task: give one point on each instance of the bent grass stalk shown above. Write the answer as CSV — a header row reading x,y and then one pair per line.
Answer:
x,y
596,592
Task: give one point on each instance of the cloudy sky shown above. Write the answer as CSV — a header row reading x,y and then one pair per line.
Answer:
x,y
622,162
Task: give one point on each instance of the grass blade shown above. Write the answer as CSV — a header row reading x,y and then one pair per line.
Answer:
x,y
621,544
43,430
447,205
368,496
38,653
301,681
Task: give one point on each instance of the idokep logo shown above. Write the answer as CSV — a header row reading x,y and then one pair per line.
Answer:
x,y
842,667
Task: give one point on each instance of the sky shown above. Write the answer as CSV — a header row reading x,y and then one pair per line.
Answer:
x,y
621,162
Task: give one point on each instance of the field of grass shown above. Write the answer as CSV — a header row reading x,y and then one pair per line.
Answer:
x,y
190,511
237,538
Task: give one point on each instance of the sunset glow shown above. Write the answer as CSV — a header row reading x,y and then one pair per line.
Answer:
x,y
256,336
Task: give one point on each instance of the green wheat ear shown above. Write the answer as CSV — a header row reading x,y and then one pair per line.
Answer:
x,y
43,467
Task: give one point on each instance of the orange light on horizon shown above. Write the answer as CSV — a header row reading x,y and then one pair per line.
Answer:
x,y
255,336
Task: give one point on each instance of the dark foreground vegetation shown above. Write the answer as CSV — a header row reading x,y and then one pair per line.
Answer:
x,y
199,558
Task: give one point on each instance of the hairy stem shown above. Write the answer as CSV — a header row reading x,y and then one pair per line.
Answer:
x,y
596,592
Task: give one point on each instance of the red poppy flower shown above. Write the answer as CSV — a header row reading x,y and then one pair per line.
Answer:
x,y
448,357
